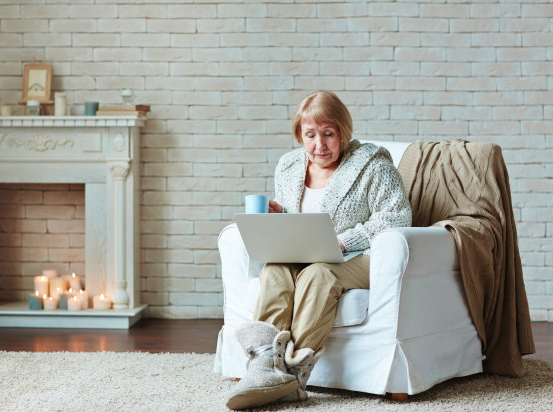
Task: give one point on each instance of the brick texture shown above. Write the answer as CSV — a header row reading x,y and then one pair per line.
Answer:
x,y
41,227
223,79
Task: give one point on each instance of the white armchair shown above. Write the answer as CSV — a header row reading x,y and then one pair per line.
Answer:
x,y
410,331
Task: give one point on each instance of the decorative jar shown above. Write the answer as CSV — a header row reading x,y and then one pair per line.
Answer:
x,y
33,108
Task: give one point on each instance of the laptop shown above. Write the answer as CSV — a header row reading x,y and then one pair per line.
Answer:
x,y
291,238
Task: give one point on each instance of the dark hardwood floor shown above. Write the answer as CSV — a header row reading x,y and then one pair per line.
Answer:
x,y
164,335
148,335
543,338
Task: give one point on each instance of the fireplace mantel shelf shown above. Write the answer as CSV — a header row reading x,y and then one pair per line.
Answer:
x,y
72,121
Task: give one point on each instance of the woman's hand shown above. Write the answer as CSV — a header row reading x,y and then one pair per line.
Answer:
x,y
341,246
274,207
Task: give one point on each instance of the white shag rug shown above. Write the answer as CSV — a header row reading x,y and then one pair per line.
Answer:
x,y
109,381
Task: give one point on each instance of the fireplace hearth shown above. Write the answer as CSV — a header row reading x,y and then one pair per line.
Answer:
x,y
103,153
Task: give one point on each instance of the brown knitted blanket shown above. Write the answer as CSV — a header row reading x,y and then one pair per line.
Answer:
x,y
464,188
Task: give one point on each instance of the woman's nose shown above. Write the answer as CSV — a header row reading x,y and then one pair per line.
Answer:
x,y
319,141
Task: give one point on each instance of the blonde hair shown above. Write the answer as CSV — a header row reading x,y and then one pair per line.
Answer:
x,y
323,107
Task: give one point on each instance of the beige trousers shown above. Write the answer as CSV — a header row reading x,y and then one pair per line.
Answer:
x,y
303,298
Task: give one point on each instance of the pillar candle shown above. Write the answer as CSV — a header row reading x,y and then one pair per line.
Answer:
x,y
60,104
84,299
67,277
101,302
63,301
58,286
75,282
74,303
35,301
65,298
50,303
50,273
5,110
41,285
57,292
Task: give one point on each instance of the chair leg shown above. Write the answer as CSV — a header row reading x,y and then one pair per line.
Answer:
x,y
399,397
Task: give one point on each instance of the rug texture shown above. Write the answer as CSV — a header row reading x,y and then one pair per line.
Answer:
x,y
109,381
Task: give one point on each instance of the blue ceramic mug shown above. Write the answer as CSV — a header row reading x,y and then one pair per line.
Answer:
x,y
257,204
90,108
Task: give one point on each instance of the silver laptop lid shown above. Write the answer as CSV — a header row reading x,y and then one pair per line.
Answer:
x,y
289,237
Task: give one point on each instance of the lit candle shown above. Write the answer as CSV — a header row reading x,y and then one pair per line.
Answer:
x,y
57,293
41,285
66,278
35,301
50,303
63,302
64,299
58,286
101,302
74,303
84,299
50,273
75,282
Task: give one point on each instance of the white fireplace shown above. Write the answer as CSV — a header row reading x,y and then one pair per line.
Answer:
x,y
103,153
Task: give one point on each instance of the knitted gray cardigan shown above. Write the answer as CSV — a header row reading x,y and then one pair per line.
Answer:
x,y
363,197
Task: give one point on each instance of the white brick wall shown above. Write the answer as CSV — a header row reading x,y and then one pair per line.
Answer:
x,y
223,79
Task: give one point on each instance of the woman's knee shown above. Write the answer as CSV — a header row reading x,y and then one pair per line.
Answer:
x,y
274,274
317,273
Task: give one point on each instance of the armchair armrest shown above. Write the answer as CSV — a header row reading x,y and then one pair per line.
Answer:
x,y
415,281
428,245
237,270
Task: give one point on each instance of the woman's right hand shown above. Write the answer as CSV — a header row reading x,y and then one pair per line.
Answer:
x,y
274,207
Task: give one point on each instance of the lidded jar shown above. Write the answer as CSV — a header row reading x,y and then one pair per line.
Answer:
x,y
33,108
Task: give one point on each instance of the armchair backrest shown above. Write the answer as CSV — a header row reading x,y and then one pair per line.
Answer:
x,y
396,149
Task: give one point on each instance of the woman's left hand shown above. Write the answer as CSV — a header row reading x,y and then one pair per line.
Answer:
x,y
341,246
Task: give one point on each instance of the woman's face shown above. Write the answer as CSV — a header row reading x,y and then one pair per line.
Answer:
x,y
322,142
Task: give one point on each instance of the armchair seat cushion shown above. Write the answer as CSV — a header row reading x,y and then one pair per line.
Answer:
x,y
353,308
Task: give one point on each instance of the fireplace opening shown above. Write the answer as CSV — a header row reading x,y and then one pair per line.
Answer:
x,y
42,226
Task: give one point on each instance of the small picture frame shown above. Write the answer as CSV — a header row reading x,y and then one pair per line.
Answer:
x,y
37,79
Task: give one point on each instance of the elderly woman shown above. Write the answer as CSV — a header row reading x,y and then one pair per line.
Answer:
x,y
358,185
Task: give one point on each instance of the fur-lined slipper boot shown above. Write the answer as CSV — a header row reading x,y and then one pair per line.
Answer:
x,y
266,379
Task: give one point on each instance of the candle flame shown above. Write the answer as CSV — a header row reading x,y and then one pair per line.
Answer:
x,y
73,274
44,296
42,278
101,296
36,293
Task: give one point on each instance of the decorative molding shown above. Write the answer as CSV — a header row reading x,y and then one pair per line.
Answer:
x,y
118,142
119,170
40,143
71,121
